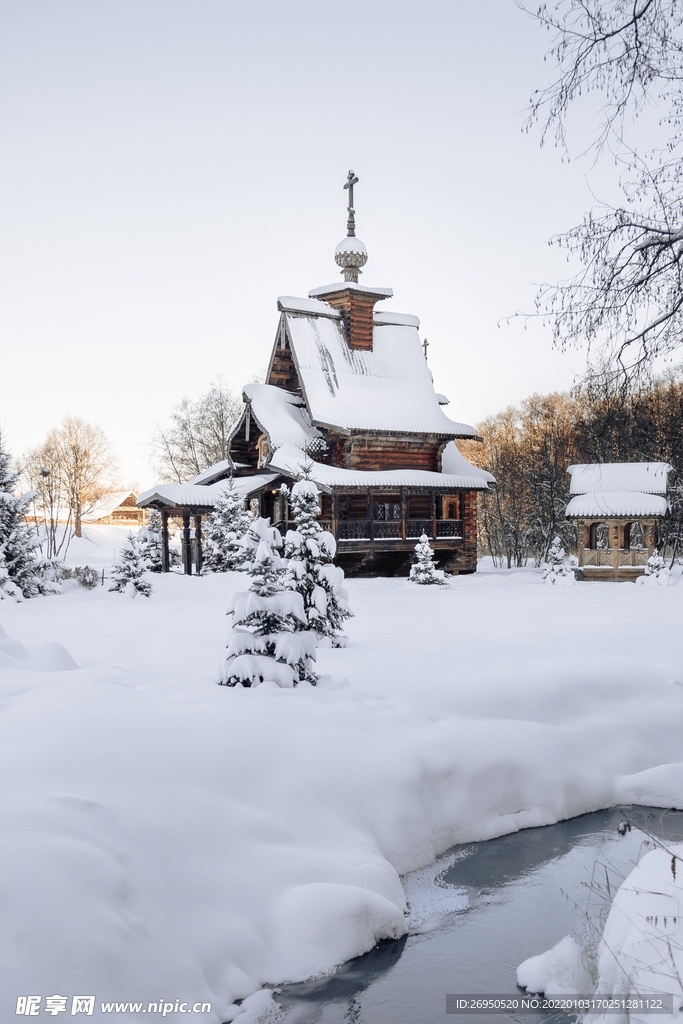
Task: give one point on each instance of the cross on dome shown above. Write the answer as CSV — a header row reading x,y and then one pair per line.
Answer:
x,y
351,253
351,180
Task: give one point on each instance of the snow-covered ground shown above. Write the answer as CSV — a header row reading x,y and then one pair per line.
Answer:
x,y
99,546
166,838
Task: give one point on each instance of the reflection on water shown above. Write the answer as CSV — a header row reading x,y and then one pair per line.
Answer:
x,y
526,891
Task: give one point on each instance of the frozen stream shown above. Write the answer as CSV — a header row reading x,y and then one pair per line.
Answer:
x,y
524,892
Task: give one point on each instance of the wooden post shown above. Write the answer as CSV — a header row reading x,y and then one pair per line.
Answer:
x,y
403,514
165,557
371,515
584,541
335,516
187,545
198,543
614,543
432,502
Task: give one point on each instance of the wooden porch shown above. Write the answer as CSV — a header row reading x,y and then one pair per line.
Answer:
x,y
375,532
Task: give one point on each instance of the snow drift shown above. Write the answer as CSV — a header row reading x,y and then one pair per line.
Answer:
x,y
167,837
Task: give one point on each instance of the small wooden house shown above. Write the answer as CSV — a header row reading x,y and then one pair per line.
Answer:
x,y
117,509
618,508
349,399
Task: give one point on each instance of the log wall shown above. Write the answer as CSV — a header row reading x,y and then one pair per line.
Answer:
x,y
378,452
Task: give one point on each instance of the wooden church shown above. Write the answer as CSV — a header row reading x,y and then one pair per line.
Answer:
x,y
348,399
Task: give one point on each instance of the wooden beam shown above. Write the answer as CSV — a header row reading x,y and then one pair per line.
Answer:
x,y
187,547
165,557
198,544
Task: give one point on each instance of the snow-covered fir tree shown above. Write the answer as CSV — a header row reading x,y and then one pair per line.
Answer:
x,y
19,567
557,570
149,541
259,529
657,572
310,551
129,574
268,641
423,570
225,529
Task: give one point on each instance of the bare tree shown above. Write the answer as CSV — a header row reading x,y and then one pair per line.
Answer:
x,y
71,472
627,300
198,433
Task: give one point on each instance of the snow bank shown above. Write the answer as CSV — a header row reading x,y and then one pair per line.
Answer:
x,y
167,837
48,657
641,951
559,971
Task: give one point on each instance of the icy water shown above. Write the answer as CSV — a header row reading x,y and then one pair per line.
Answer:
x,y
520,895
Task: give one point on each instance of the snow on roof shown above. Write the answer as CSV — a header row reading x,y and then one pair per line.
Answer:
x,y
282,415
645,477
201,496
402,319
107,504
387,389
454,463
442,400
601,504
220,469
296,305
339,286
291,461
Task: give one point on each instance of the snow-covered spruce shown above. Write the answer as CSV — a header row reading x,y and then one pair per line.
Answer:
x,y
310,570
268,641
226,527
557,569
657,572
149,541
129,575
20,570
423,570
259,529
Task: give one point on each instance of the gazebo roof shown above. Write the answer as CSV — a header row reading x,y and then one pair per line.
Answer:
x,y
610,504
639,477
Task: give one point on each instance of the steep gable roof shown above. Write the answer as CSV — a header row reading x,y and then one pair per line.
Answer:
x,y
387,388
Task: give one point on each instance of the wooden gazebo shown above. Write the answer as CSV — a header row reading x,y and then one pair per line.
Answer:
x,y
618,508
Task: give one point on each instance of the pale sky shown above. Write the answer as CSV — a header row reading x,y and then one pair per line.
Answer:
x,y
169,168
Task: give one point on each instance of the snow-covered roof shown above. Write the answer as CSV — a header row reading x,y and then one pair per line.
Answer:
x,y
643,477
201,496
295,305
220,469
338,286
453,462
291,461
383,316
604,504
282,415
388,388
107,504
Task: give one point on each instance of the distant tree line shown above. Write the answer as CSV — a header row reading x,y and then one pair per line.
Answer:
x,y
528,449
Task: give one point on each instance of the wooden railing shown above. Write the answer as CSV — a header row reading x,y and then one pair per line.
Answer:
x,y
398,529
614,558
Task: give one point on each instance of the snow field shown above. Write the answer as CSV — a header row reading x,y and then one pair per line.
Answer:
x,y
164,835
